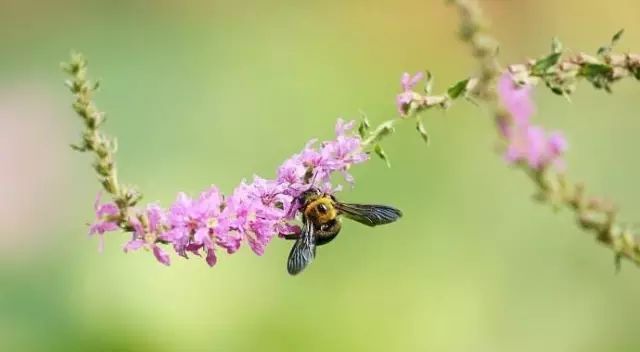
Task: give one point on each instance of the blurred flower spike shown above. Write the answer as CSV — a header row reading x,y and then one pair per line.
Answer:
x,y
527,143
253,213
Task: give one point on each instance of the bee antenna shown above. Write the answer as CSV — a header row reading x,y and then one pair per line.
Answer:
x,y
312,184
313,181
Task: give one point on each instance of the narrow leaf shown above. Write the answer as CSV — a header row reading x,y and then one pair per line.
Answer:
x,y
603,50
541,66
458,89
363,127
557,90
428,85
380,152
78,148
423,131
616,37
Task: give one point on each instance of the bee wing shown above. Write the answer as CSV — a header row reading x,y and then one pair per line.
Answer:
x,y
370,215
303,251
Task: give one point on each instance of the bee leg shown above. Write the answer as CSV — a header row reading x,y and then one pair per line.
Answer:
x,y
325,238
291,236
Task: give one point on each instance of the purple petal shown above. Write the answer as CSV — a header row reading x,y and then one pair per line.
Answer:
x,y
137,226
156,216
108,209
402,102
229,241
96,203
287,229
536,146
516,99
512,154
211,257
407,82
558,144
202,236
256,246
133,245
343,127
161,255
416,78
103,226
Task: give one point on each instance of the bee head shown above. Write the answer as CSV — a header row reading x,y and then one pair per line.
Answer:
x,y
309,195
323,208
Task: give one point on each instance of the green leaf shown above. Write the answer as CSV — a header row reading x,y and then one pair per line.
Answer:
x,y
591,71
616,37
557,90
364,125
78,148
598,74
378,149
541,66
637,73
458,89
617,262
423,131
428,82
603,50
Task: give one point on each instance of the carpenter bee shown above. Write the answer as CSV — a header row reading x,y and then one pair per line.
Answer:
x,y
321,223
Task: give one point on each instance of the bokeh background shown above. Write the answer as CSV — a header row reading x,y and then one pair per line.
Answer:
x,y
202,92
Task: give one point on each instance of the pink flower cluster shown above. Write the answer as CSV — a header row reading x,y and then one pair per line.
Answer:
x,y
526,142
408,96
254,213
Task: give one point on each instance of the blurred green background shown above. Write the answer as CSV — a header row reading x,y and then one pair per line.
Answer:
x,y
202,92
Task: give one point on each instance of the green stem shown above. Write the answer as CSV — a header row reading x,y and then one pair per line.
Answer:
x,y
94,141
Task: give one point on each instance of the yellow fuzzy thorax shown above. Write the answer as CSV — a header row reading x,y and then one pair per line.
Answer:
x,y
312,212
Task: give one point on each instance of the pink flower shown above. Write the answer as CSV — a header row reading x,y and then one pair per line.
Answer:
x,y
285,228
408,82
258,208
516,99
194,223
527,143
147,237
106,215
337,155
160,255
557,143
341,153
531,145
406,97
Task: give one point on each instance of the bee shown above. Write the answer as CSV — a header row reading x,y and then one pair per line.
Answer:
x,y
321,223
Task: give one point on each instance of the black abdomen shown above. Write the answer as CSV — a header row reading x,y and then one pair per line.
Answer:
x,y
325,233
